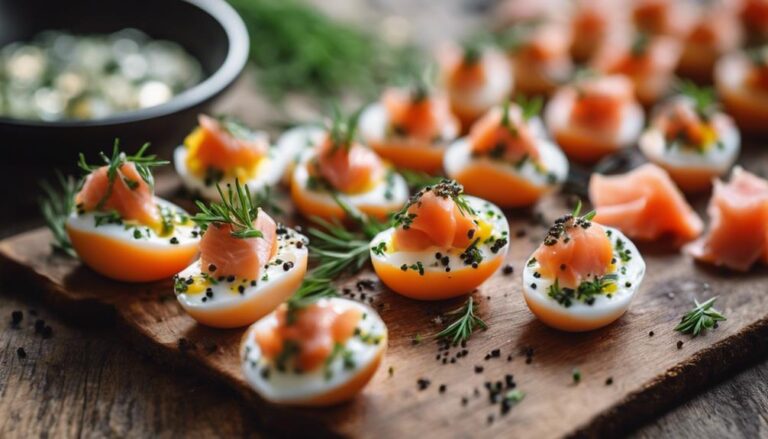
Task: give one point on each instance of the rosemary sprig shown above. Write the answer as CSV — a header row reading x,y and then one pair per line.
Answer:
x,y
343,130
465,323
312,289
235,209
704,316
265,199
143,164
56,204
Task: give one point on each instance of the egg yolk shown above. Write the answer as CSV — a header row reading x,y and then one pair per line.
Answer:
x,y
215,151
682,123
349,168
127,194
575,251
307,336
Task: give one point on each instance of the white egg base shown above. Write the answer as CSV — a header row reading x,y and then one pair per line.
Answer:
x,y
225,293
295,141
603,305
187,235
376,196
269,173
718,160
557,116
459,156
374,124
487,211
288,387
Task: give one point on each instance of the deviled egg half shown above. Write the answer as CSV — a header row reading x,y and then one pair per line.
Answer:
x,y
340,168
319,354
410,128
219,151
583,276
741,80
248,264
540,56
476,79
691,140
594,117
443,244
123,231
507,159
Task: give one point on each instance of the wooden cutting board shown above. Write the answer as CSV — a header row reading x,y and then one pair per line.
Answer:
x,y
627,375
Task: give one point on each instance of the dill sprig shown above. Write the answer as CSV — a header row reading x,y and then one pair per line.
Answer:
x,y
464,323
235,209
56,204
343,130
530,107
703,98
336,249
704,316
312,289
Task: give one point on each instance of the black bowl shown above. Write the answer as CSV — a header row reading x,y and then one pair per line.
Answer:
x,y
210,30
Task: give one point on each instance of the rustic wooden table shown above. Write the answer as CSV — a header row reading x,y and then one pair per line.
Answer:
x,y
83,381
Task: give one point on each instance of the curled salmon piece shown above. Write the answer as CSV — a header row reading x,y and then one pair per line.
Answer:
x,y
738,234
416,114
510,130
662,17
310,334
574,251
593,21
224,148
349,168
644,204
434,220
129,195
542,59
222,254
716,31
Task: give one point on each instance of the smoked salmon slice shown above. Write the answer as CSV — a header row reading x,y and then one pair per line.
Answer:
x,y
222,254
738,233
129,195
309,335
600,102
510,131
223,149
644,204
434,221
575,250
349,168
416,114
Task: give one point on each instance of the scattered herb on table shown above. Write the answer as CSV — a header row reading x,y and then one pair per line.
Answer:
x,y
704,316
56,204
462,327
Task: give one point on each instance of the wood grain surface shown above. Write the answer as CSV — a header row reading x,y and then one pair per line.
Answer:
x,y
647,373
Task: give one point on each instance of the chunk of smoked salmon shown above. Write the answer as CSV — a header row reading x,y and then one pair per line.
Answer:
x,y
349,169
586,253
516,137
222,150
130,196
436,221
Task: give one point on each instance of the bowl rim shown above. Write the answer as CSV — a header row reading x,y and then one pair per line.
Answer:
x,y
233,65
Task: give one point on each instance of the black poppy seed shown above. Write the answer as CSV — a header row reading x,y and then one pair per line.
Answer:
x,y
209,293
679,344
442,388
474,265
189,281
404,267
438,256
422,383
533,285
174,240
204,299
240,289
230,278
39,325
447,269
21,352
453,360
464,400
211,268
509,357
253,283
287,266
47,332
16,317
479,369
608,381
650,334
490,419
536,274
299,244
471,233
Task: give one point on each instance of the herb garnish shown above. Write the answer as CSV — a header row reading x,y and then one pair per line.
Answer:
x,y
143,164
445,189
703,98
56,205
704,316
461,329
235,209
561,226
585,292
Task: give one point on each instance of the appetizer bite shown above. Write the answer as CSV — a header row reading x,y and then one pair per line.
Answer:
x,y
442,244
738,232
318,354
691,140
592,23
410,128
540,55
594,117
754,17
476,79
248,263
297,141
715,32
339,166
121,230
662,17
644,204
649,61
741,79
221,150
583,276
506,159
